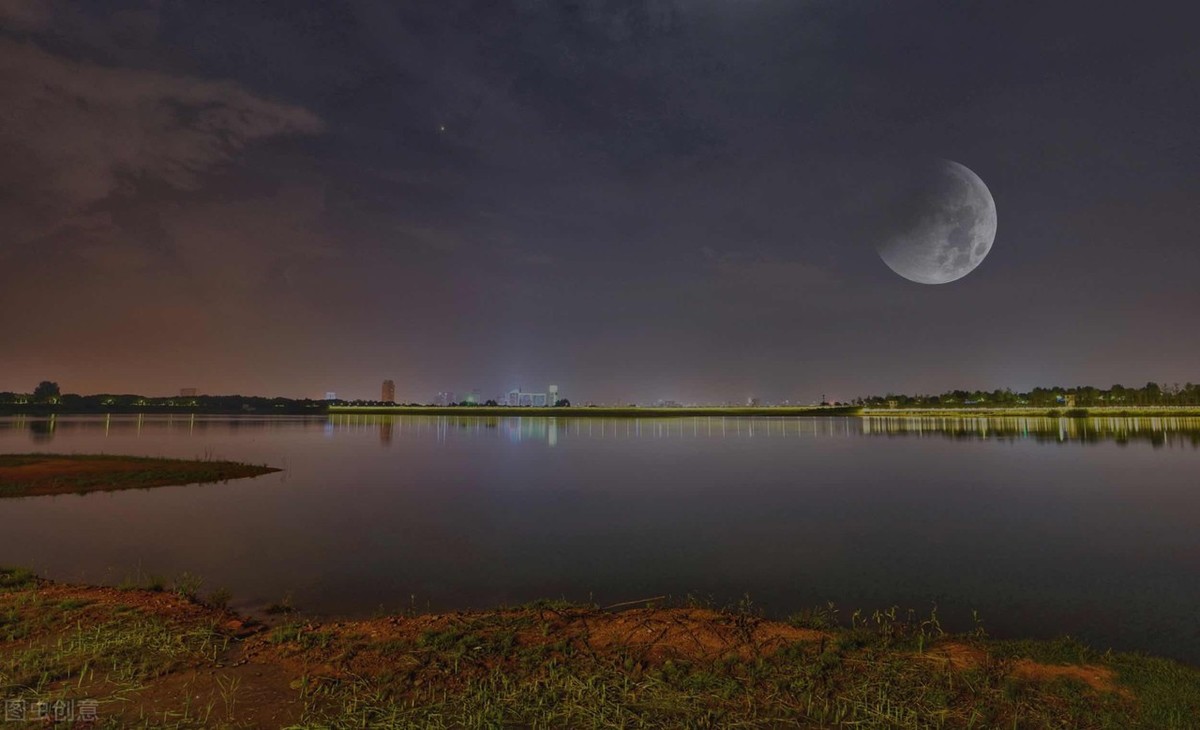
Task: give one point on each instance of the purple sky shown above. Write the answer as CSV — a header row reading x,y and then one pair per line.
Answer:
x,y
632,200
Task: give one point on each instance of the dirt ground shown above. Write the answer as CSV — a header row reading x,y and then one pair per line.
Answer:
x,y
241,672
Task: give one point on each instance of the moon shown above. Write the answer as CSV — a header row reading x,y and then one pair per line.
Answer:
x,y
947,229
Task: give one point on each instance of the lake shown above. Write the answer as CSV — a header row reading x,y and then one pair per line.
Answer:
x,y
1046,526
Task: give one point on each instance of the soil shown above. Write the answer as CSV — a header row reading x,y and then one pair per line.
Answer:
x,y
271,673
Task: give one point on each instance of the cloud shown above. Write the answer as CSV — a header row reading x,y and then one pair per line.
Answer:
x,y
25,15
118,184
74,133
115,31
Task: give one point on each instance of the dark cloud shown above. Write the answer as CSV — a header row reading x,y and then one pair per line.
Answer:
x,y
632,199
75,134
26,15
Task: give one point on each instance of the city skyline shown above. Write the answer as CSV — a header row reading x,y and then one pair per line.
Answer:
x,y
1151,394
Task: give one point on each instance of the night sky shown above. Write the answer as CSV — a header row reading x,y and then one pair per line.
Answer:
x,y
634,200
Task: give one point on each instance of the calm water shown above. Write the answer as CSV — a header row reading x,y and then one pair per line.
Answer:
x,y
1046,526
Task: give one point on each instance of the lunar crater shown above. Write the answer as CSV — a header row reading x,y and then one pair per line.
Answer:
x,y
952,226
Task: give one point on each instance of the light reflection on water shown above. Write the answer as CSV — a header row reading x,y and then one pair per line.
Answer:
x,y
550,430
1047,526
1158,431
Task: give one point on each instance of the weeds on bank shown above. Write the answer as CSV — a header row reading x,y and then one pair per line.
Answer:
x,y
881,670
15,579
531,666
124,651
283,607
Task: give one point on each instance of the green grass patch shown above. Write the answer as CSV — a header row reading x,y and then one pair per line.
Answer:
x,y
12,579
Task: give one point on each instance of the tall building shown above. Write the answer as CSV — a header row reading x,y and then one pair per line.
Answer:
x,y
389,392
518,397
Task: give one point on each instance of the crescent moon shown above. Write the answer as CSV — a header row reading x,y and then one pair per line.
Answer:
x,y
949,230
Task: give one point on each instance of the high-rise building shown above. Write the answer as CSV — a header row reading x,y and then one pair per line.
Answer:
x,y
518,397
389,392
330,395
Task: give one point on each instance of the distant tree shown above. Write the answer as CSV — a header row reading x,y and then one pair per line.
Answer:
x,y
490,402
46,392
1153,392
562,403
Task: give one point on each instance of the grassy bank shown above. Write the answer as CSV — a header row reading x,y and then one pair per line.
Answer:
x,y
28,475
596,412
163,659
1060,412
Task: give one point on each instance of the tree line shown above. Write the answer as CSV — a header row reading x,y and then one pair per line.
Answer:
x,y
1081,396
48,398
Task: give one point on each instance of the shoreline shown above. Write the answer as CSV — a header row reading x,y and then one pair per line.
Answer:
x,y
1058,412
142,656
48,474
641,412
595,411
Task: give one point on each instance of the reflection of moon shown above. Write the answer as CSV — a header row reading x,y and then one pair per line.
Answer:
x,y
948,230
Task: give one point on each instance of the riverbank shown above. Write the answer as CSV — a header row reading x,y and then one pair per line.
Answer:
x,y
595,412
30,475
1059,412
135,658
42,411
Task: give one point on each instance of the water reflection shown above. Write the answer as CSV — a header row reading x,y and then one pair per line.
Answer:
x,y
1158,431
550,430
42,429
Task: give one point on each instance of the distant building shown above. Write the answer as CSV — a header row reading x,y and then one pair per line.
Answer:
x,y
445,398
473,398
389,392
753,402
330,395
187,392
518,397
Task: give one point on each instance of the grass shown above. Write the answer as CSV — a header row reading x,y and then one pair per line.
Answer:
x,y
1046,411
486,672
24,475
73,645
160,659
